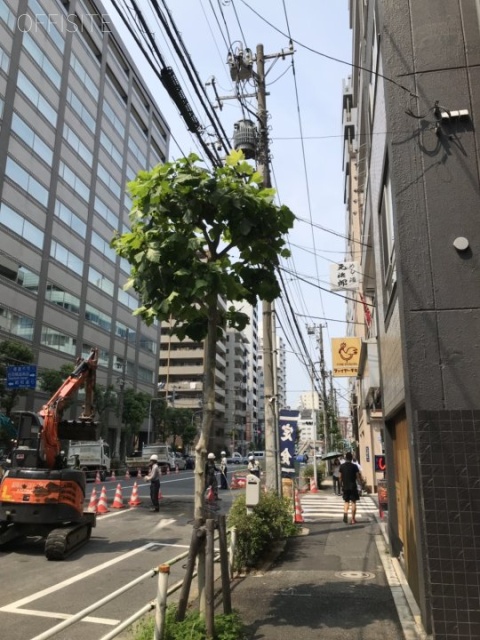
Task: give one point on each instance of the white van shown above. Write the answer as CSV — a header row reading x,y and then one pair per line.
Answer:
x,y
259,455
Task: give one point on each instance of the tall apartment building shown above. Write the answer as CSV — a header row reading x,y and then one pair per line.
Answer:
x,y
77,123
413,193
181,379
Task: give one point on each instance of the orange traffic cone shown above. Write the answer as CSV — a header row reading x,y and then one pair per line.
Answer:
x,y
134,500
118,500
298,519
97,478
139,473
92,505
313,486
160,497
176,468
102,503
113,475
127,475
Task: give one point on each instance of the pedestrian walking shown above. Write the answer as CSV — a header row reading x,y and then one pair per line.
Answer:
x,y
211,471
223,471
349,476
153,478
253,466
337,489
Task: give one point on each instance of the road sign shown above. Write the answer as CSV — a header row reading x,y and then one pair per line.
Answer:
x,y
22,376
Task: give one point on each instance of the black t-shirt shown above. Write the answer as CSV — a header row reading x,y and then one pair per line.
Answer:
x,y
349,472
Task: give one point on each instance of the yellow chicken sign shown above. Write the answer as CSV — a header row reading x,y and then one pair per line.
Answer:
x,y
345,356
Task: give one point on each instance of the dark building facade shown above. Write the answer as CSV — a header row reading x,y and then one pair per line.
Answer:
x,y
77,123
416,92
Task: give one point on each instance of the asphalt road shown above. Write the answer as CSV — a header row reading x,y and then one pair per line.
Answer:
x,y
36,594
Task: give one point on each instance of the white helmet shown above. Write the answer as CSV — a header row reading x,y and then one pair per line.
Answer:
x,y
211,456
223,453
154,457
251,457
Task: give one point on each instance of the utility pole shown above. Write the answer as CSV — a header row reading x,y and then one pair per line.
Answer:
x,y
323,375
241,68
263,167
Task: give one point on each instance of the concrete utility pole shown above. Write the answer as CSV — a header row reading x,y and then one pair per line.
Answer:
x,y
241,68
271,454
323,375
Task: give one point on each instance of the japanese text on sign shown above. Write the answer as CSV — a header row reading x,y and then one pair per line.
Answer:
x,y
345,275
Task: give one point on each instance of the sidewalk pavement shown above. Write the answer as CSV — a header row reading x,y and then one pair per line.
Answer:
x,y
336,581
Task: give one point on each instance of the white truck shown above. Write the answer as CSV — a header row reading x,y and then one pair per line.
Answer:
x,y
141,459
90,456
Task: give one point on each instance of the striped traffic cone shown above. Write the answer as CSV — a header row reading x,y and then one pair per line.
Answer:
x,y
92,505
313,486
97,478
298,518
160,497
118,500
113,475
134,500
210,494
176,468
102,503
127,475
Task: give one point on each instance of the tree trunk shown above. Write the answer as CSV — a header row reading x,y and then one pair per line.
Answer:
x,y
210,357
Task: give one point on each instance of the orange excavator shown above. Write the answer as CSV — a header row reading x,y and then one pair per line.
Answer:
x,y
39,495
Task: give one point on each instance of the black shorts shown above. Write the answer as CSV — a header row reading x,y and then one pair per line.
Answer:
x,y
350,495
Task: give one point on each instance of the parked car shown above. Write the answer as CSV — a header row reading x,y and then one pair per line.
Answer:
x,y
180,461
235,458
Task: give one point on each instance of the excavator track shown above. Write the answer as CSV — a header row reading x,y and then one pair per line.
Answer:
x,y
61,542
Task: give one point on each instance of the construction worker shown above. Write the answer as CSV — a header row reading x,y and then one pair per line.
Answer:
x,y
223,471
211,471
154,478
253,466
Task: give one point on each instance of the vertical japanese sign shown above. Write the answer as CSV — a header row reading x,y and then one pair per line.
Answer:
x,y
345,275
287,438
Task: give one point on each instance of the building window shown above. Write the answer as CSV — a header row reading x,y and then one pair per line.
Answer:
x,y
24,180
67,258
47,22
108,180
40,58
103,246
7,16
17,223
114,119
111,149
99,280
80,109
98,318
72,221
59,341
36,98
78,186
16,325
32,139
61,298
77,145
84,77
388,237
105,212
4,60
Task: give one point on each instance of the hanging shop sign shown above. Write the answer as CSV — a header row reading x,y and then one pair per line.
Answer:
x,y
345,276
345,357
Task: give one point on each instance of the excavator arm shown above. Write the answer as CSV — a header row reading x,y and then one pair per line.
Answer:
x,y
51,412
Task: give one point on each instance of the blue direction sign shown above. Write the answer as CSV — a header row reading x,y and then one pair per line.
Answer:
x,y
22,376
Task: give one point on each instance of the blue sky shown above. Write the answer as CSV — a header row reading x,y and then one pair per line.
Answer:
x,y
304,101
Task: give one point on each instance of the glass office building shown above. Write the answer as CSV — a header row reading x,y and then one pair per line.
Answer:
x,y
77,123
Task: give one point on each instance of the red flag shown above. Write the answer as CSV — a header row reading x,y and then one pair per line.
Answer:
x,y
368,315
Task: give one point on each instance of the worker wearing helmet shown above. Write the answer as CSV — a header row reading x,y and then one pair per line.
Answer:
x,y
223,471
154,478
253,466
211,471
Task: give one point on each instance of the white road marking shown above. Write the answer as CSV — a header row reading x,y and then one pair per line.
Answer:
x,y
65,616
10,608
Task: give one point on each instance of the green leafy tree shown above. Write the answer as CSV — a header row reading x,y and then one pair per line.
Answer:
x,y
158,415
51,380
177,421
198,236
135,410
12,353
106,399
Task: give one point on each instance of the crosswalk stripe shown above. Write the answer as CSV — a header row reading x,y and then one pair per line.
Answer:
x,y
318,507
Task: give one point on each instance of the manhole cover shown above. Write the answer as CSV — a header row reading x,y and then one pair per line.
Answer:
x,y
355,575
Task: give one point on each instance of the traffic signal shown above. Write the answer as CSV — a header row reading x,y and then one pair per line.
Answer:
x,y
380,464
